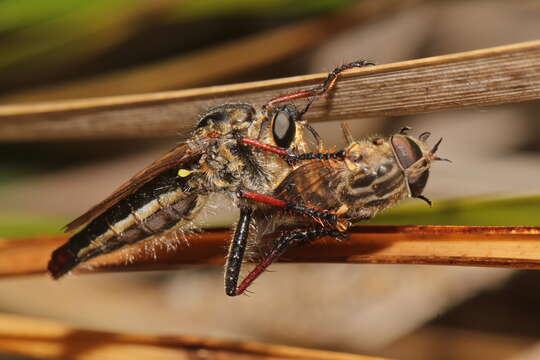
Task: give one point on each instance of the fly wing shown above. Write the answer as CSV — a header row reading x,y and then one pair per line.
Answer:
x,y
179,155
313,183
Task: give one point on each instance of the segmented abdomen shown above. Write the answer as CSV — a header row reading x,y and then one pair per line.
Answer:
x,y
165,202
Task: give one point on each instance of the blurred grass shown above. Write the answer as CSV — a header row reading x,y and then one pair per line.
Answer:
x,y
16,15
518,211
40,37
508,211
48,39
212,8
22,225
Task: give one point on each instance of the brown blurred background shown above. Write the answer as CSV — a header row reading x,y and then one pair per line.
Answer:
x,y
407,312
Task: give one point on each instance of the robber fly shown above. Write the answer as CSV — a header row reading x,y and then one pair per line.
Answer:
x,y
234,149
330,191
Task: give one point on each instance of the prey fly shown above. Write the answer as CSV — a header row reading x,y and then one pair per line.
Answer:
x,y
329,191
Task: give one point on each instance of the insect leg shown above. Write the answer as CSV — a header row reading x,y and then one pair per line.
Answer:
x,y
290,157
321,215
319,90
286,241
293,158
236,251
266,147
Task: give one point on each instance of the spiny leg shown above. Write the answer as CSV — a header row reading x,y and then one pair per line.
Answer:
x,y
317,214
236,251
319,90
285,242
290,157
293,158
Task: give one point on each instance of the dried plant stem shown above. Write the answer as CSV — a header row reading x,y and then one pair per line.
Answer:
x,y
491,76
45,339
507,247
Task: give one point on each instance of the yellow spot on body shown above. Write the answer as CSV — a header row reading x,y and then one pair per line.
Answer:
x,y
184,172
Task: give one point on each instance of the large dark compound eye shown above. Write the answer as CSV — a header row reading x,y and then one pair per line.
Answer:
x,y
418,183
407,153
283,129
234,113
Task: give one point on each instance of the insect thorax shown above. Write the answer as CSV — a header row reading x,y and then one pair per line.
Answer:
x,y
228,165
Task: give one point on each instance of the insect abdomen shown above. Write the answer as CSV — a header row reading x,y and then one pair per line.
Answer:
x,y
157,207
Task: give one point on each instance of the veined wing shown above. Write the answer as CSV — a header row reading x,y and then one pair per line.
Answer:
x,y
181,154
312,183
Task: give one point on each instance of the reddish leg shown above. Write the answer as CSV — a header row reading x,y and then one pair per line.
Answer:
x,y
263,146
320,90
285,242
322,216
265,199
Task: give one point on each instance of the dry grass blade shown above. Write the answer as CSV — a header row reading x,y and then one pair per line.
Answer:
x,y
504,246
491,76
45,339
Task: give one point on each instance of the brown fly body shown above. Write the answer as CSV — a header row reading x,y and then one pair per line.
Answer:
x,y
328,191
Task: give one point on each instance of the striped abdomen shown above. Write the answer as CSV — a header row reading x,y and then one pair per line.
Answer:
x,y
164,203
366,194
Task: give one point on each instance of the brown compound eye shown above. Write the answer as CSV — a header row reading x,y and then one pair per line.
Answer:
x,y
408,152
283,129
418,183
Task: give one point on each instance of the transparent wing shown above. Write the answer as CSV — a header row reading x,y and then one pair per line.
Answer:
x,y
313,183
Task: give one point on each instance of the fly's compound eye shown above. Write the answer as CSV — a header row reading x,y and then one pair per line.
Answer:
x,y
283,129
407,152
418,183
